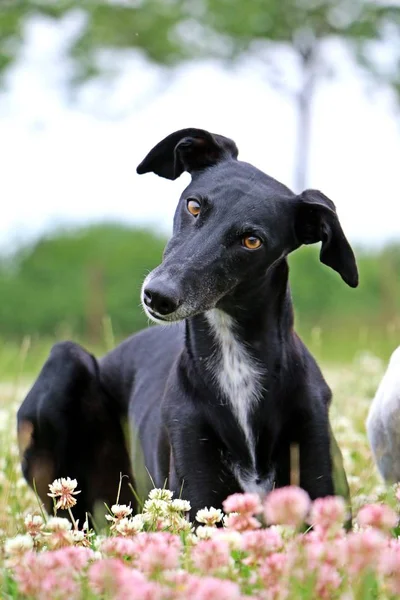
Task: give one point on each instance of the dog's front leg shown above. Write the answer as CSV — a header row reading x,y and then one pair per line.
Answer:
x,y
315,456
199,473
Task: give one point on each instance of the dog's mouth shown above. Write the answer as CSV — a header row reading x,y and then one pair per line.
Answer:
x,y
162,319
180,315
154,316
191,306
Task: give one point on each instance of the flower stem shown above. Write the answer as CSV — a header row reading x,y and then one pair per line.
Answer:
x,y
72,518
39,501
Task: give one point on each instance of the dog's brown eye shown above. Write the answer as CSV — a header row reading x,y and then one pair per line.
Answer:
x,y
251,242
193,207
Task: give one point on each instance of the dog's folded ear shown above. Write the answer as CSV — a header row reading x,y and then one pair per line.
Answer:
x,y
316,221
187,150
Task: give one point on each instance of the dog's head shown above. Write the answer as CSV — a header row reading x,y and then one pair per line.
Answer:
x,y
232,223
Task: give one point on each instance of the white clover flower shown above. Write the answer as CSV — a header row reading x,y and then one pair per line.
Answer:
x,y
18,545
121,510
155,507
180,523
179,505
232,537
97,541
60,539
226,518
138,521
33,520
191,538
209,516
129,527
34,524
64,490
204,532
58,524
64,483
160,494
122,526
149,518
78,536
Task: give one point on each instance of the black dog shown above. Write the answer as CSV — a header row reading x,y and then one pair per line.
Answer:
x,y
215,402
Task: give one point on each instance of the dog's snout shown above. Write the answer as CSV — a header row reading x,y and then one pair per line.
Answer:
x,y
161,298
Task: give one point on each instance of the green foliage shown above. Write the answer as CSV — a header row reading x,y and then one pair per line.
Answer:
x,y
322,292
337,321
67,285
147,26
170,32
68,282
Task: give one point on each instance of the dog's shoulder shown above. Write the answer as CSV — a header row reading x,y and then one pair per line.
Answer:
x,y
149,353
149,343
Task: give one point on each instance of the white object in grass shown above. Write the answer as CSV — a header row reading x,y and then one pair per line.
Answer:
x,y
383,422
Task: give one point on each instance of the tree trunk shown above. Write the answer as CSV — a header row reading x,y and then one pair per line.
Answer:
x,y
304,100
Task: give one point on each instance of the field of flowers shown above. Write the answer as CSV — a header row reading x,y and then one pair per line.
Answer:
x,y
157,554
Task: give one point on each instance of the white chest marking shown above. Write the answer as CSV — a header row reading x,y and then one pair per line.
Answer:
x,y
236,372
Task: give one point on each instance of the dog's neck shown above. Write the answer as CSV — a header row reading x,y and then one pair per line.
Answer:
x,y
237,349
258,317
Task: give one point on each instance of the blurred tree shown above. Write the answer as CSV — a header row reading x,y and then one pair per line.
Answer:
x,y
73,279
281,34
67,283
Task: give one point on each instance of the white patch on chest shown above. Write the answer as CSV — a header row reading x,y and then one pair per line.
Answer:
x,y
236,372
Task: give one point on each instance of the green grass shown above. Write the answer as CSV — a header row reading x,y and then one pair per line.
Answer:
x,y
353,383
343,343
352,366
339,345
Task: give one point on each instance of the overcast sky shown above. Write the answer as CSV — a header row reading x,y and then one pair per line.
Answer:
x,y
64,163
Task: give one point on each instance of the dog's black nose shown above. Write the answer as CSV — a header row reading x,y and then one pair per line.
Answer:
x,y
161,298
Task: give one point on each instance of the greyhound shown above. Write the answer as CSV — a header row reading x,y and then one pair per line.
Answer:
x,y
383,422
215,401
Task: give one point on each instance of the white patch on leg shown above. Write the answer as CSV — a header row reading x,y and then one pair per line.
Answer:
x,y
236,372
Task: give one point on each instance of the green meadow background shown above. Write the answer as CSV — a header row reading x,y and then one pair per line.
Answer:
x,y
84,284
